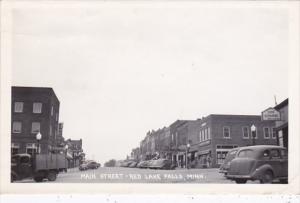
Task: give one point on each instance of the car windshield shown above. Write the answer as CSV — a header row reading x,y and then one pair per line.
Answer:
x,y
14,160
231,155
246,153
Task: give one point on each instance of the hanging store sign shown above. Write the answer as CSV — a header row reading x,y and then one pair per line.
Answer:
x,y
270,114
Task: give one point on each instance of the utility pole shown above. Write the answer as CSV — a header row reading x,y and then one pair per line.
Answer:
x,y
275,100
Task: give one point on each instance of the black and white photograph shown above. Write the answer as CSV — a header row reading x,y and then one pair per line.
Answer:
x,y
150,93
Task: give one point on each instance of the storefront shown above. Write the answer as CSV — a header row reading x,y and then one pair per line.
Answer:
x,y
221,153
281,128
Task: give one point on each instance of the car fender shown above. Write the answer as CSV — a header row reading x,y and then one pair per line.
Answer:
x,y
258,172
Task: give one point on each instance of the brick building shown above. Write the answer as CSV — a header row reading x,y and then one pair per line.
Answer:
x,y
34,110
217,134
281,129
75,151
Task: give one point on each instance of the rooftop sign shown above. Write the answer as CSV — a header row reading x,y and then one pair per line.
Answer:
x,y
270,114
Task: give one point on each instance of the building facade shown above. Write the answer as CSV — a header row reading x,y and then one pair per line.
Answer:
x,y
75,152
218,134
281,129
34,110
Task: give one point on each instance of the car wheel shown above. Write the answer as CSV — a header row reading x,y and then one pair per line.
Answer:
x,y
13,178
240,181
52,176
267,177
38,179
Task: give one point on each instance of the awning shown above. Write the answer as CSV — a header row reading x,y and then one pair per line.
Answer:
x,y
203,152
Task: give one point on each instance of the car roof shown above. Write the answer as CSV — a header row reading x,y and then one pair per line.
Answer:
x,y
261,147
21,155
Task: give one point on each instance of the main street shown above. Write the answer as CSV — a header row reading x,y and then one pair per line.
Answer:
x,y
136,175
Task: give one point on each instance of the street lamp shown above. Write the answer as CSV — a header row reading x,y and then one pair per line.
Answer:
x,y
186,156
38,138
253,134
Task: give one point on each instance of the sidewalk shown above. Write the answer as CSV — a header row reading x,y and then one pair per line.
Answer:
x,y
72,170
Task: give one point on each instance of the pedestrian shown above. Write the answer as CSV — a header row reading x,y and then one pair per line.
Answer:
x,y
208,161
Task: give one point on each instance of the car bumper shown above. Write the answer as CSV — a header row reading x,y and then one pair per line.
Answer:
x,y
223,171
233,177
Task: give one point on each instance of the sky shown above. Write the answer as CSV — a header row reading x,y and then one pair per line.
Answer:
x,y
120,71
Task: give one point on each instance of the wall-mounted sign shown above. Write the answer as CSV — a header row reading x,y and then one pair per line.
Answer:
x,y
270,114
207,142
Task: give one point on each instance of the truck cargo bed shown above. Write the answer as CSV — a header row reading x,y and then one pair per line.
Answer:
x,y
50,161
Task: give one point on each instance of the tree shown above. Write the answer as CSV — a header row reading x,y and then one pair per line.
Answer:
x,y
110,163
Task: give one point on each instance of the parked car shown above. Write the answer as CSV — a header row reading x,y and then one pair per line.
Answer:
x,y
143,164
265,163
133,164
93,165
126,163
83,166
229,157
161,164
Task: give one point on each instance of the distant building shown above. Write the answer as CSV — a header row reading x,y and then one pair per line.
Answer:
x,y
75,151
135,153
282,130
34,110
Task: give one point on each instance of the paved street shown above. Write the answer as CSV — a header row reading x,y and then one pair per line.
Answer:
x,y
136,175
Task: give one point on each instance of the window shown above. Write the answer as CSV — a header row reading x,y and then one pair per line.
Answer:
x,y
205,134
37,107
202,133
245,132
283,153
208,132
18,107
15,148
226,132
254,134
266,132
50,131
52,110
200,136
273,133
275,154
221,155
24,160
35,128
246,153
266,153
31,148
17,127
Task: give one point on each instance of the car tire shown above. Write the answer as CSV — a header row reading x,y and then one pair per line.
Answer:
x,y
267,177
13,177
52,176
241,181
38,179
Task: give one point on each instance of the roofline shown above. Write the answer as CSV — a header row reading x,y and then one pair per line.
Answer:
x,y
38,88
282,104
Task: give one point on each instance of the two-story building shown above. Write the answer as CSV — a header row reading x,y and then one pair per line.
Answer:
x,y
218,134
34,110
281,129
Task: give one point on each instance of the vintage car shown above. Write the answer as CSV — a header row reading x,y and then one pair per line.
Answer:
x,y
133,164
83,166
161,164
229,157
93,165
144,164
265,163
